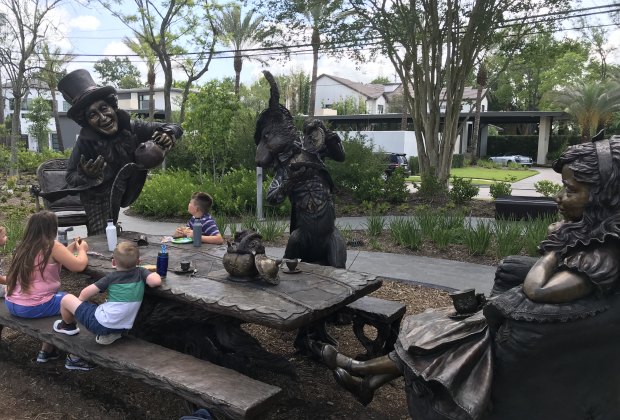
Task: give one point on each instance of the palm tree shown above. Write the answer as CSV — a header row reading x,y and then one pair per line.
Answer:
x,y
240,33
322,16
145,52
592,105
53,69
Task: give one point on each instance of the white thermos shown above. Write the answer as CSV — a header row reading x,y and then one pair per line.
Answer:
x,y
110,233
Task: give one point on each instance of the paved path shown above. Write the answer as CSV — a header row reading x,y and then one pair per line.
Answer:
x,y
446,274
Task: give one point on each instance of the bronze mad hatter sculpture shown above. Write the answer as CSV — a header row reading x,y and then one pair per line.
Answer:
x,y
544,349
301,176
109,162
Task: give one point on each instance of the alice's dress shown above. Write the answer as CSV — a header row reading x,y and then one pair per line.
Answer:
x,y
518,359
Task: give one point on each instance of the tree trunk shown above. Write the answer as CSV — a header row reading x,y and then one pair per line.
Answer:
x,y
61,145
151,82
316,44
15,133
167,68
476,130
238,64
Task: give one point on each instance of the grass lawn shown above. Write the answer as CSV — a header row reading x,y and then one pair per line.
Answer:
x,y
485,176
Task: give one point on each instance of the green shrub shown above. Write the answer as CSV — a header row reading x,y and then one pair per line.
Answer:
x,y
249,222
166,194
458,161
223,224
430,187
478,239
500,189
15,225
462,190
375,225
271,229
427,220
414,165
508,235
362,171
547,188
395,189
406,232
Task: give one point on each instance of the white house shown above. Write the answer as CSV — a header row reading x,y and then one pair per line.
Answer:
x,y
134,101
332,89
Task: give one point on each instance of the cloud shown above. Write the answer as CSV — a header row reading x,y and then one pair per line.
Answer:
x,y
85,23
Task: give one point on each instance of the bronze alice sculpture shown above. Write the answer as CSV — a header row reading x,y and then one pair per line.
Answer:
x,y
109,162
544,349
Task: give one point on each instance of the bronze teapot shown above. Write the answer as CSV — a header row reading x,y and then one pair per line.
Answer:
x,y
245,257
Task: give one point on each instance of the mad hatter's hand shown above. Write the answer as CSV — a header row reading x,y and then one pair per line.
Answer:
x,y
93,169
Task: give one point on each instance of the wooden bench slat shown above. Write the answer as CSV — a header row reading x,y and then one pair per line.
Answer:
x,y
208,385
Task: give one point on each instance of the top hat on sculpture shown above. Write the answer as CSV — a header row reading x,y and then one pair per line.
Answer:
x,y
80,90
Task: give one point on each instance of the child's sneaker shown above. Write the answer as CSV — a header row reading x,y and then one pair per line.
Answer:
x,y
77,363
44,356
107,339
64,328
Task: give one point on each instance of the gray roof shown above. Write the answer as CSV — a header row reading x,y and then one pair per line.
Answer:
x,y
369,90
469,93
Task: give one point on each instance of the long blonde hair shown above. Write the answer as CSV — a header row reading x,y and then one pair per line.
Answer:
x,y
38,239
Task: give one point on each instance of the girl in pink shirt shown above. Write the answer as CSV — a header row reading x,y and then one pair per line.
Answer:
x,y
33,278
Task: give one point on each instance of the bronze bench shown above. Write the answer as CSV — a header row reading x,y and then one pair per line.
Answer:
x,y
51,177
225,391
384,316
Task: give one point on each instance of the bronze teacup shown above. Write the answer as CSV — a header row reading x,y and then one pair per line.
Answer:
x,y
291,264
465,301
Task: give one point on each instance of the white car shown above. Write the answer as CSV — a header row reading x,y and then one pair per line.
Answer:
x,y
519,159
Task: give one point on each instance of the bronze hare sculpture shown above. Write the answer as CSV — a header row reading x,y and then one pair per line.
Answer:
x,y
246,258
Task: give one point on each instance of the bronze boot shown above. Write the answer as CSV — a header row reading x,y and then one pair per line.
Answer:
x,y
356,386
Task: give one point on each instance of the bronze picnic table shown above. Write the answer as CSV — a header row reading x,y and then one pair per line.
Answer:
x,y
201,313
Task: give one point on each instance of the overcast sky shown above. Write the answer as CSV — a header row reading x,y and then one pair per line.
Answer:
x,y
93,30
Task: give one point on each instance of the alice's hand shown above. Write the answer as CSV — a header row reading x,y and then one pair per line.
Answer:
x,y
554,226
93,169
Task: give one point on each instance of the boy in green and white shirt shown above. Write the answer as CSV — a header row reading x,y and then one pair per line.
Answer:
x,y
125,292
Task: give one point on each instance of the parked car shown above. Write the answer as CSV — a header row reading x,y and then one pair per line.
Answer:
x,y
505,160
396,160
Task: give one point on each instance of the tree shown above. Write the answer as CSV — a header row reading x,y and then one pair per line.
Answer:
x,y
39,112
322,19
120,73
142,49
381,80
240,33
53,70
208,127
481,84
350,106
592,105
433,45
167,26
26,25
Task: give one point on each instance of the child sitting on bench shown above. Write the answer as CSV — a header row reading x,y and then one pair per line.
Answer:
x,y
125,291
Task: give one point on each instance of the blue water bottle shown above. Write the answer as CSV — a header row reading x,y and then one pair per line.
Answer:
x,y
197,233
162,261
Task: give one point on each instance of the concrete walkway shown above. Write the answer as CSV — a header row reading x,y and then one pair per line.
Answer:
x,y
435,272
445,274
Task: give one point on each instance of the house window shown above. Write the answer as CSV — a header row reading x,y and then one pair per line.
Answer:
x,y
379,109
55,141
143,101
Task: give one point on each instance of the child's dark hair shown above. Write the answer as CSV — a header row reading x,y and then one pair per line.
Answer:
x,y
126,255
203,201
38,241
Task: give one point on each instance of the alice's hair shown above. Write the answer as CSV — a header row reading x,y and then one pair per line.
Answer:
x,y
38,240
126,255
80,117
601,215
203,201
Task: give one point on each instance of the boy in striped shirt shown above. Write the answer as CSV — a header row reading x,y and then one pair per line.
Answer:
x,y
199,206
117,314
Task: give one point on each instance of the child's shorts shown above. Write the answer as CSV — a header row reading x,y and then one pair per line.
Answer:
x,y
49,308
85,313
